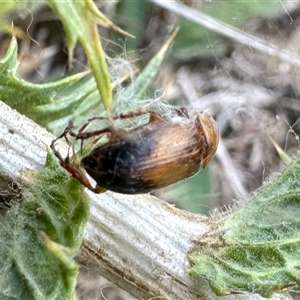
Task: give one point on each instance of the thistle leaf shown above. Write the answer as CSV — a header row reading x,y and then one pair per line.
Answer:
x,y
40,236
257,247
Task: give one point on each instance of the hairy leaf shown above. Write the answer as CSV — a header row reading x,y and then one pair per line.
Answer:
x,y
29,98
257,247
80,20
40,236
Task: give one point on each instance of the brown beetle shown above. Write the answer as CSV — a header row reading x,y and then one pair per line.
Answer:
x,y
149,157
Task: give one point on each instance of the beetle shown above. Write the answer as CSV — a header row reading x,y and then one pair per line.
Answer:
x,y
148,157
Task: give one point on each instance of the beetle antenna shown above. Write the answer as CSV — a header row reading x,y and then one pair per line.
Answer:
x,y
182,112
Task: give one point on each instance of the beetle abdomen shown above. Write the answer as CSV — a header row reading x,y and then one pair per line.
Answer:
x,y
117,166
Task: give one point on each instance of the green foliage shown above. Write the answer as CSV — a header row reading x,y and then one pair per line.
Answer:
x,y
255,248
80,20
52,105
40,236
28,98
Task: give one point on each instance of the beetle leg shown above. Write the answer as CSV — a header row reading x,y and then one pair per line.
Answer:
x,y
120,116
76,173
133,114
154,116
73,170
67,130
85,135
81,135
89,121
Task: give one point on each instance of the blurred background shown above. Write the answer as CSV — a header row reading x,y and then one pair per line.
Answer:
x,y
252,94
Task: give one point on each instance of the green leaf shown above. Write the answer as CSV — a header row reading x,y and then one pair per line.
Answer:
x,y
257,247
73,103
28,97
41,235
80,20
